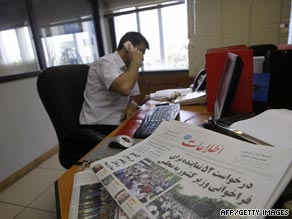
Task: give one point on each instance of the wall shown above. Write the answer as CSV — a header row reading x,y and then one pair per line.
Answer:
x,y
232,22
25,129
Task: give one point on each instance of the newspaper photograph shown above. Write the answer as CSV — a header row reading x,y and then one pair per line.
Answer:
x,y
184,171
90,199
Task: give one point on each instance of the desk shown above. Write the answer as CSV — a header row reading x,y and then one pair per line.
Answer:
x,y
193,114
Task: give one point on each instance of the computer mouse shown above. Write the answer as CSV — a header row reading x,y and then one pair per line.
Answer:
x,y
121,142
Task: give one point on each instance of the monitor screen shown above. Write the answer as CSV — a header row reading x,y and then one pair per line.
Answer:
x,y
228,85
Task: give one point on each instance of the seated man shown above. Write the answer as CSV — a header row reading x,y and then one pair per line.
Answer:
x,y
111,84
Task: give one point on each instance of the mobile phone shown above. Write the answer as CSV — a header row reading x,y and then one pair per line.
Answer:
x,y
128,46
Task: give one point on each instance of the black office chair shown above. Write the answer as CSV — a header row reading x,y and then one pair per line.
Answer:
x,y
262,49
61,91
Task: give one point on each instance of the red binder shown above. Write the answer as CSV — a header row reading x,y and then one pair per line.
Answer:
x,y
215,60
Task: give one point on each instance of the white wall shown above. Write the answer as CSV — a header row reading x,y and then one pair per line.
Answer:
x,y
25,129
218,23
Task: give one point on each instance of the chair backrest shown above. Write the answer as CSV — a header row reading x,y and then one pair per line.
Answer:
x,y
279,95
61,91
262,49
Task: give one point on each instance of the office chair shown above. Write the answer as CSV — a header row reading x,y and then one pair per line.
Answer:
x,y
263,50
279,95
61,91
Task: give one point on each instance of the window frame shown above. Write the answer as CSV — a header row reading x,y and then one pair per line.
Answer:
x,y
137,10
37,43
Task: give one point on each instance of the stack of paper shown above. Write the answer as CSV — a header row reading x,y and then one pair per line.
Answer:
x,y
198,97
169,94
272,126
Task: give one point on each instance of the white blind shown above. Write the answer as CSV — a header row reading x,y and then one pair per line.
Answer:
x,y
109,6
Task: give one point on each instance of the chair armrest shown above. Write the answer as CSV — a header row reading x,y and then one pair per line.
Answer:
x,y
76,144
87,134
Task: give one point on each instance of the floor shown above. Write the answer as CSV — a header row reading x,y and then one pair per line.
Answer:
x,y
33,196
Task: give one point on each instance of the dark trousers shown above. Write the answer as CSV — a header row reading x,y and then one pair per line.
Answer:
x,y
104,129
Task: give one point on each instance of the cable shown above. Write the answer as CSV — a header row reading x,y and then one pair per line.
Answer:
x,y
198,115
146,81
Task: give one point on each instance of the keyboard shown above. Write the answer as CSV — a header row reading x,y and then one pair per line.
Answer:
x,y
154,117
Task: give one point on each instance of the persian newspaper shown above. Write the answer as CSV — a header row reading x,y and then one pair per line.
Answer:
x,y
90,199
185,171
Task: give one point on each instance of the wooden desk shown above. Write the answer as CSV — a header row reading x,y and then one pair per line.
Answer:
x,y
193,114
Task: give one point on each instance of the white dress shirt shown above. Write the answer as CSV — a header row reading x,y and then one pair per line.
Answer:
x,y
101,106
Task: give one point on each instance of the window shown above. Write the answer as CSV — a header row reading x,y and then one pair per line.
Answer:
x,y
38,34
69,43
165,29
66,31
17,52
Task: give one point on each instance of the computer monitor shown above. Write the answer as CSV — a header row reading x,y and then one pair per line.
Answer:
x,y
228,85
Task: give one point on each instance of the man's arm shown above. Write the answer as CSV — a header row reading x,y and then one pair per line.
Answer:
x,y
126,81
130,109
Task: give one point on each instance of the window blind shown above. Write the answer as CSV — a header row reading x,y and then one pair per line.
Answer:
x,y
12,14
112,7
48,12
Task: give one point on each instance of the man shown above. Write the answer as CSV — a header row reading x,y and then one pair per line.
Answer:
x,y
111,84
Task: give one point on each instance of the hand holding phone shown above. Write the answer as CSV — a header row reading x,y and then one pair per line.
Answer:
x,y
129,46
135,55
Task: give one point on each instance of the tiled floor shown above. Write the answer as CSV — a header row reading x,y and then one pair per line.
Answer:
x,y
33,196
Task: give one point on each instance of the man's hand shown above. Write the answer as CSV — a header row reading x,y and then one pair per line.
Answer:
x,y
130,110
136,57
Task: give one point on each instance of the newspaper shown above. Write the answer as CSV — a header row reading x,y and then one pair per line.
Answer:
x,y
90,199
185,171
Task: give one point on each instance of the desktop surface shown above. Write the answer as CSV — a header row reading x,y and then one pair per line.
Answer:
x,y
192,114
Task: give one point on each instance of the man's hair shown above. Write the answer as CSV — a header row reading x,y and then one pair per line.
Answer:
x,y
134,37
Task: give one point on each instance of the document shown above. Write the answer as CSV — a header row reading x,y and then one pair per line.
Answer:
x,y
169,94
197,97
185,171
